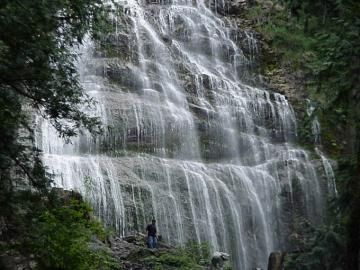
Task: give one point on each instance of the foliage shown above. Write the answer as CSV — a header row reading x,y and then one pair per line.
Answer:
x,y
321,38
284,33
190,257
305,132
38,44
63,238
60,231
316,248
38,41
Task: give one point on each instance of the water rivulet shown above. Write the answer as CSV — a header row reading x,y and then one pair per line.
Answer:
x,y
185,139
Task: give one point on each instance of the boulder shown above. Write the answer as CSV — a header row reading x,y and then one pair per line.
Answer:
x,y
276,260
218,260
130,238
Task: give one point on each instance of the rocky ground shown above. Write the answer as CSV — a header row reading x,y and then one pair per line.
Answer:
x,y
133,254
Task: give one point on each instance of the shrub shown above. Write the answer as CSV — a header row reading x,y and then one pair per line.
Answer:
x,y
65,238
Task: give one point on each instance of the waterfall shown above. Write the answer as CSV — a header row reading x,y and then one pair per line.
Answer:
x,y
329,173
315,124
186,140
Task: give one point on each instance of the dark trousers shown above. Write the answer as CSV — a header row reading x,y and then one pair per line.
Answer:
x,y
152,241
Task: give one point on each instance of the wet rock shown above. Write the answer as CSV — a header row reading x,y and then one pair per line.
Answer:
x,y
167,39
124,76
276,260
66,195
236,6
218,260
130,238
133,255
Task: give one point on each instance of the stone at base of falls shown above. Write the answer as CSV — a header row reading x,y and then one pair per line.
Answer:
x,y
130,238
135,255
140,240
130,254
66,195
218,260
276,260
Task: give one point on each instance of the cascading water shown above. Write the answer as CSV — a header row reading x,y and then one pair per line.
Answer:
x,y
186,140
329,173
315,124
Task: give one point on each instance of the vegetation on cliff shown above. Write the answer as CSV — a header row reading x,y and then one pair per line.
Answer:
x,y
321,39
59,232
38,75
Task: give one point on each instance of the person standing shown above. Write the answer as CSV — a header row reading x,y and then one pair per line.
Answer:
x,y
151,233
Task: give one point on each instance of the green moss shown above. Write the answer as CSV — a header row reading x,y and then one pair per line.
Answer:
x,y
285,35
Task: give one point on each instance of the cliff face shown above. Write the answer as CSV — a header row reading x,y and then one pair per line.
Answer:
x,y
194,135
267,70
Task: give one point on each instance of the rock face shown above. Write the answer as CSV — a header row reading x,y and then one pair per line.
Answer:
x,y
131,254
190,135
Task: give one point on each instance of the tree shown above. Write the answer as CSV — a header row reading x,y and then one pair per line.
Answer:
x,y
37,71
63,238
38,75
